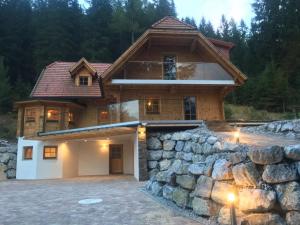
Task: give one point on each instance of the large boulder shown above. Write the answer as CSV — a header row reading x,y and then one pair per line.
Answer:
x,y
164,164
168,145
188,146
154,155
11,173
256,200
266,156
188,156
4,158
168,192
224,216
164,176
280,173
289,196
205,207
263,219
237,157
222,170
292,152
204,187
179,167
152,164
179,146
181,136
181,197
156,188
201,168
220,190
186,181
246,175
211,140
2,172
292,218
168,154
154,143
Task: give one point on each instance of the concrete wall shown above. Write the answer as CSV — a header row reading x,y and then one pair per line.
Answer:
x,y
75,158
93,158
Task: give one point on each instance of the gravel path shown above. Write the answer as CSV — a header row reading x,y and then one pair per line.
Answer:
x,y
55,202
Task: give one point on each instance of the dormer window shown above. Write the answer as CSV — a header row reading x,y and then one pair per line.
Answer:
x,y
83,80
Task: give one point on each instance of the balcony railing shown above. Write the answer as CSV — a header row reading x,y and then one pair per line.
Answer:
x,y
181,70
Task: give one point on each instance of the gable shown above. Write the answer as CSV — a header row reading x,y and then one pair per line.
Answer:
x,y
166,37
170,22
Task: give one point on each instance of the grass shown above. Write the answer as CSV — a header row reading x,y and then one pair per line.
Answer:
x,y
236,112
8,124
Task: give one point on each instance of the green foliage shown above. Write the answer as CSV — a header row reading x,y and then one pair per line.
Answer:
x,y
34,33
5,94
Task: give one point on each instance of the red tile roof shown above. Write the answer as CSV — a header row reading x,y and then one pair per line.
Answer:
x,y
56,81
170,22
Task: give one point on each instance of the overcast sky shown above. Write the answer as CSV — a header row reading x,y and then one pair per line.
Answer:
x,y
213,9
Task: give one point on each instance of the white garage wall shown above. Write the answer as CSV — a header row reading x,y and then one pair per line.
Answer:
x,y
70,159
93,158
26,169
75,158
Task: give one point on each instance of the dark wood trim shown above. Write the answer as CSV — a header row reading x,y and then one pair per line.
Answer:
x,y
50,146
23,155
122,153
22,122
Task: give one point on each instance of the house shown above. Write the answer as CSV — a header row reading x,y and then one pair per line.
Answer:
x,y
87,118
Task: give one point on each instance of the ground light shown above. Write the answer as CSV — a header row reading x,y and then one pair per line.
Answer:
x,y
237,136
231,200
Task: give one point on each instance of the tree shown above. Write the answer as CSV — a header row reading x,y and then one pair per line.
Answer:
x,y
206,28
5,94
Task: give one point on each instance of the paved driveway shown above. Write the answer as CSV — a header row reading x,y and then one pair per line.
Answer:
x,y
49,202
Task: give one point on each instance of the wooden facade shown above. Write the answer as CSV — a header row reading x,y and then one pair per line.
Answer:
x,y
103,102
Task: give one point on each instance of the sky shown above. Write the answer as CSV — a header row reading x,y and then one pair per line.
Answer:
x,y
213,10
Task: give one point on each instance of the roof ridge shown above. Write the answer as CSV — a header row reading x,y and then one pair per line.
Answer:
x,y
155,25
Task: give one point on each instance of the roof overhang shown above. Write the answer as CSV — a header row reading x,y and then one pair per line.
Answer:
x,y
172,82
47,102
237,75
88,132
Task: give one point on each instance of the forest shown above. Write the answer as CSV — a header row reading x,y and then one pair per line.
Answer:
x,y
34,33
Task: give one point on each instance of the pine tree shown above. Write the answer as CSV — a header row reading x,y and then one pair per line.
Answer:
x,y
5,94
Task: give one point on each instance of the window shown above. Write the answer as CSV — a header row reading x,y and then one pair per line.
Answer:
x,y
103,115
190,108
27,152
169,68
50,152
30,114
71,117
53,115
152,106
83,80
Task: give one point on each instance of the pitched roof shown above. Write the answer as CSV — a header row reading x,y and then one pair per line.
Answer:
x,y
170,22
82,63
56,81
222,57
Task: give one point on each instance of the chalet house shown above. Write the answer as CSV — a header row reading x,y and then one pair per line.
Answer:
x,y
87,118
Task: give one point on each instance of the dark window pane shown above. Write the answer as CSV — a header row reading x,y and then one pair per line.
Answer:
x,y
190,108
170,68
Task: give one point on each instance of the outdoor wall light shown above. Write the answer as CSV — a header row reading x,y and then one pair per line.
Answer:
x,y
237,136
231,200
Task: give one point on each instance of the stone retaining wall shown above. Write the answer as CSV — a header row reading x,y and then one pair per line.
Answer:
x,y
196,170
289,128
8,160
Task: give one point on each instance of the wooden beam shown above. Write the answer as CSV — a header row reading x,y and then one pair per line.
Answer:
x,y
193,45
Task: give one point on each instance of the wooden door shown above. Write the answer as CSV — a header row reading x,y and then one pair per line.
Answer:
x,y
116,159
